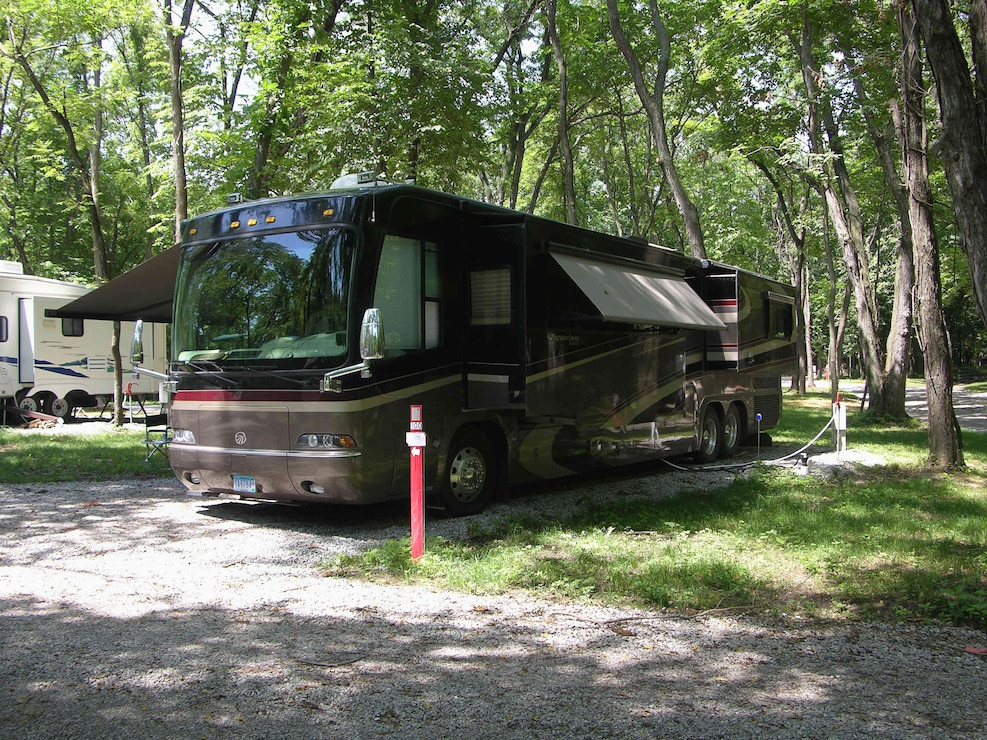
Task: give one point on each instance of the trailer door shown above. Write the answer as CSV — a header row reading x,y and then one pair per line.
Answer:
x,y
25,340
495,337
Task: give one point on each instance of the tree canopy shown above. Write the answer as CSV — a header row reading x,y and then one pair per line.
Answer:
x,y
767,134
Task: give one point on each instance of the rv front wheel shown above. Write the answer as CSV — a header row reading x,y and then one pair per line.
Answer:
x,y
470,475
710,436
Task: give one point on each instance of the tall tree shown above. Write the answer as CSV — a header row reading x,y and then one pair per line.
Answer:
x,y
843,206
175,30
53,94
882,134
961,94
522,68
654,103
945,448
568,169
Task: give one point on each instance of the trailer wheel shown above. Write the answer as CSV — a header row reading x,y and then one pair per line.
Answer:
x,y
710,437
733,430
470,478
61,407
29,403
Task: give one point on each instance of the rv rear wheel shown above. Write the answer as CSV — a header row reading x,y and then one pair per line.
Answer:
x,y
733,430
710,437
470,478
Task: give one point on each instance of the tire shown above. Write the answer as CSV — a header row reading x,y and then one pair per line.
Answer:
x,y
61,407
733,432
710,437
471,474
29,403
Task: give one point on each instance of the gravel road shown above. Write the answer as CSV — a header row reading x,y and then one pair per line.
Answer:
x,y
132,610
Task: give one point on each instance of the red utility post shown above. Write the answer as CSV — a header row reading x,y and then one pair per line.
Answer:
x,y
417,440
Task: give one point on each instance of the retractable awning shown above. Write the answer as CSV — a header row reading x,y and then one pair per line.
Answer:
x,y
145,292
636,295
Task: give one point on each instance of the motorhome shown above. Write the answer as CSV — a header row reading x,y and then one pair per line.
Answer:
x,y
55,365
305,327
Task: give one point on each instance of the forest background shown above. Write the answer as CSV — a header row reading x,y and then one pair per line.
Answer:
x,y
840,145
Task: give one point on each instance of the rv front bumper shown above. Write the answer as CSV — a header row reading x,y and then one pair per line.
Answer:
x,y
274,475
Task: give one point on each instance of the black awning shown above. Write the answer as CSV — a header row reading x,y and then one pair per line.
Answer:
x,y
145,292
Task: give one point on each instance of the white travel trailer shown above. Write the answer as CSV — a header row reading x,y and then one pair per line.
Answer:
x,y
53,365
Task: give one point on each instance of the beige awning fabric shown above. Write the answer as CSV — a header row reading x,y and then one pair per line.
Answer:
x,y
145,292
636,296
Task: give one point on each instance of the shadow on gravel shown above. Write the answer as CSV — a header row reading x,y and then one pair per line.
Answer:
x,y
396,513
266,673
316,516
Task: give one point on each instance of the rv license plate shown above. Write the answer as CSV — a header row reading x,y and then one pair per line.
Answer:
x,y
244,484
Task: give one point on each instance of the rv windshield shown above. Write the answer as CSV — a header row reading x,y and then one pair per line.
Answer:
x,y
275,301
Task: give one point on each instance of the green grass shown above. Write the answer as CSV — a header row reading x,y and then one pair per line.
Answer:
x,y
898,542
39,456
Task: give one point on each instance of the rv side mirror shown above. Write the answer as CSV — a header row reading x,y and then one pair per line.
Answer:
x,y
137,345
371,348
372,335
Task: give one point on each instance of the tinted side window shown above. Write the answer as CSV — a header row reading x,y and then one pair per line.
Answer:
x,y
73,327
408,292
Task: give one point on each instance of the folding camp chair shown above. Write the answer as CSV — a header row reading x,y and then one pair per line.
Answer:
x,y
157,435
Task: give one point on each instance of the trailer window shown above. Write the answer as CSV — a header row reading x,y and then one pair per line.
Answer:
x,y
73,327
4,336
408,293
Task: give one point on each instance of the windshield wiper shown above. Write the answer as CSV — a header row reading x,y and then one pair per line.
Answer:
x,y
308,382
212,372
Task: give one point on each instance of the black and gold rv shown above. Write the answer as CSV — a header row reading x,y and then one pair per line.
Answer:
x,y
305,327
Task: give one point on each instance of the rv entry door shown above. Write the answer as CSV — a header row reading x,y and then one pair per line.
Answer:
x,y
495,337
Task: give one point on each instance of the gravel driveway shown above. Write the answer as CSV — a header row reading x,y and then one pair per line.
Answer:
x,y
131,610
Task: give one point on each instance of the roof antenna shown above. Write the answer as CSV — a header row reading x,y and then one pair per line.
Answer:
x,y
369,177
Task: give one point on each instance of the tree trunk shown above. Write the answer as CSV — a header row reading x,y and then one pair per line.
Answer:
x,y
796,260
175,36
117,376
833,358
844,212
81,163
568,167
143,127
896,345
944,443
654,104
962,142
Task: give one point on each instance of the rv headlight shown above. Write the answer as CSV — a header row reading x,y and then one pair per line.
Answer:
x,y
313,441
183,437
